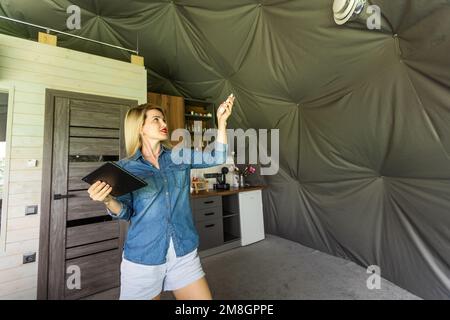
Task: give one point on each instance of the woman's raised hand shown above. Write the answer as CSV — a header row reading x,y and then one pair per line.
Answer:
x,y
224,110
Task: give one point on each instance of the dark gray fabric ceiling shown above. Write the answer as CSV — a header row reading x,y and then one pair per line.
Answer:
x,y
364,115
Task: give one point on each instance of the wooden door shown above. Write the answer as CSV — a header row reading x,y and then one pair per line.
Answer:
x,y
77,236
173,107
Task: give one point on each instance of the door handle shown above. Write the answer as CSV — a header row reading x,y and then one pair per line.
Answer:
x,y
62,196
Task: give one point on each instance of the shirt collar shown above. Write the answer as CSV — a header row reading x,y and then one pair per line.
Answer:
x,y
138,153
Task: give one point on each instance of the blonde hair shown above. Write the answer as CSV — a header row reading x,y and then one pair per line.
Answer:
x,y
134,121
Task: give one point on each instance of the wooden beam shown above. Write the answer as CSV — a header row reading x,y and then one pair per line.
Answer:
x,y
137,60
47,38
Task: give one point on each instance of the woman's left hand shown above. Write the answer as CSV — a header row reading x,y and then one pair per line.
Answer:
x,y
224,110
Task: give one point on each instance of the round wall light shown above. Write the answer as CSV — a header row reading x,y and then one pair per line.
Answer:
x,y
347,10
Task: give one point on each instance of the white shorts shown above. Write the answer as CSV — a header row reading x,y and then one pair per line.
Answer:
x,y
144,282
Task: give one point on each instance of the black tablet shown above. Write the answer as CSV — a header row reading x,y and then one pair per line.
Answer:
x,y
121,181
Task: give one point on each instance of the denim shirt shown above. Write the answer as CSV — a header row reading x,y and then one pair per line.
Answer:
x,y
162,209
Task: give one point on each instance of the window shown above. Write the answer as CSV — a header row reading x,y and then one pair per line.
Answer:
x,y
3,124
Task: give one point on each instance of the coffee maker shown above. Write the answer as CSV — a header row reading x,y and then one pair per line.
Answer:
x,y
221,179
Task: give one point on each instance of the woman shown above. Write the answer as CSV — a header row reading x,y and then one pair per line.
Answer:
x,y
160,252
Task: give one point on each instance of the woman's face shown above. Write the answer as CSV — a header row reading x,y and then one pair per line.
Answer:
x,y
155,126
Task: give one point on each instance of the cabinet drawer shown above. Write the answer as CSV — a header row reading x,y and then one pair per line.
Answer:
x,y
207,214
210,233
206,203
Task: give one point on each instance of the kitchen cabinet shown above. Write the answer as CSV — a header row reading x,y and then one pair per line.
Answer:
x,y
183,113
252,222
173,108
227,219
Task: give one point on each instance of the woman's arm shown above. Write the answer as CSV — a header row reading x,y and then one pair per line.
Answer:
x,y
218,153
112,205
120,207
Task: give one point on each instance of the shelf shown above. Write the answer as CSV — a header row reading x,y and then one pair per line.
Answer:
x,y
197,101
229,214
193,116
228,237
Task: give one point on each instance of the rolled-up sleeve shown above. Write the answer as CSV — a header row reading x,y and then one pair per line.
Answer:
x,y
210,157
126,210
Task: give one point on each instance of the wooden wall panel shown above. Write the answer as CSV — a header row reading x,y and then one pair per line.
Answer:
x,y
90,233
98,272
78,170
30,68
80,206
87,249
94,146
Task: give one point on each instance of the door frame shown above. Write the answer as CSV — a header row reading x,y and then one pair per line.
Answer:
x,y
47,166
10,90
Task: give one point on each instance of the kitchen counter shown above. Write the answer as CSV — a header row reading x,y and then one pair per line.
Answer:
x,y
214,192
